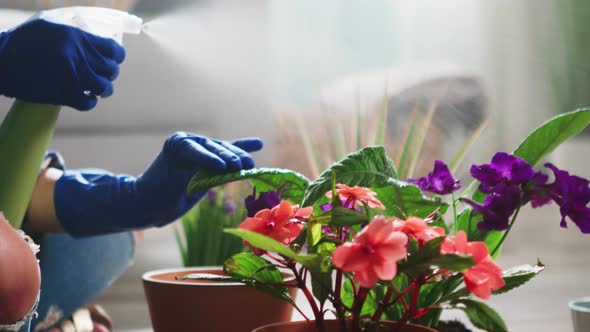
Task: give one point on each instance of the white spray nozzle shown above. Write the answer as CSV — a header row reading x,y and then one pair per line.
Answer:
x,y
104,22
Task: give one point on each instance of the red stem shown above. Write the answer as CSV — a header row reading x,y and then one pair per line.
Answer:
x,y
357,307
382,306
415,295
302,314
338,290
301,284
337,296
385,302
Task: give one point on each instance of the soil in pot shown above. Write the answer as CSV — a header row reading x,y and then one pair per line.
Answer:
x,y
194,305
334,326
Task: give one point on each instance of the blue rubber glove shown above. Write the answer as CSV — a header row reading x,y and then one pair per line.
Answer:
x,y
97,202
48,63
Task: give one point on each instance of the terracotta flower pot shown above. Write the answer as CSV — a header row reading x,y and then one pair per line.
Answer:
x,y
195,305
334,326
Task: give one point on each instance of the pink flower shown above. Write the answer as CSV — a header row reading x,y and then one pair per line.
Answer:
x,y
486,275
373,254
356,195
282,223
416,228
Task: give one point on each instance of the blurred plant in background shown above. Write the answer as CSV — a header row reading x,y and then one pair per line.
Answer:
x,y
201,239
412,135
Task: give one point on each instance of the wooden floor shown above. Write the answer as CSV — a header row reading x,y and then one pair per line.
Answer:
x,y
540,305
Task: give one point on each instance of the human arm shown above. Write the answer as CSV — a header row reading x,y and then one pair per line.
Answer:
x,y
41,216
96,202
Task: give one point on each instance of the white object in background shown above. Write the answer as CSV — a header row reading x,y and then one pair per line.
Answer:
x,y
104,22
580,310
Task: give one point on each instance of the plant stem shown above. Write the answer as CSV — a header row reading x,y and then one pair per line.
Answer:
x,y
382,306
469,224
357,307
415,295
338,290
455,223
338,298
302,314
316,311
385,302
499,245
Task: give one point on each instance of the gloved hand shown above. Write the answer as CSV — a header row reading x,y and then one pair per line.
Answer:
x,y
48,63
97,202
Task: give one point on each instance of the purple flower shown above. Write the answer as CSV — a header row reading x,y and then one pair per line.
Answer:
x,y
228,206
536,191
326,207
572,194
347,204
212,196
439,181
504,168
497,207
266,200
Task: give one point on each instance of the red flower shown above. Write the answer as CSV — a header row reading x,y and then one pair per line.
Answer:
x,y
486,275
373,254
352,196
416,228
282,223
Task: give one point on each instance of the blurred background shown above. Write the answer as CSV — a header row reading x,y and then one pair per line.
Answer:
x,y
305,73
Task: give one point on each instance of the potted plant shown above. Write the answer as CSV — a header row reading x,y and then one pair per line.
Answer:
x,y
383,253
175,303
200,237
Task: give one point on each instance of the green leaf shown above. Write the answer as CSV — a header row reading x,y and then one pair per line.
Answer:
x,y
341,216
321,284
403,199
467,221
551,134
316,232
453,262
519,275
396,311
492,239
264,179
263,242
429,257
435,292
369,167
371,303
419,260
481,315
514,277
259,273
267,243
248,265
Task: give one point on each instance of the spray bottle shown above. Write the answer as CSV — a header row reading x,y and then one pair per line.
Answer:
x,y
28,127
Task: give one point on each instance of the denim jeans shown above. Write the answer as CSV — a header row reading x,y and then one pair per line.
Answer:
x,y
75,271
